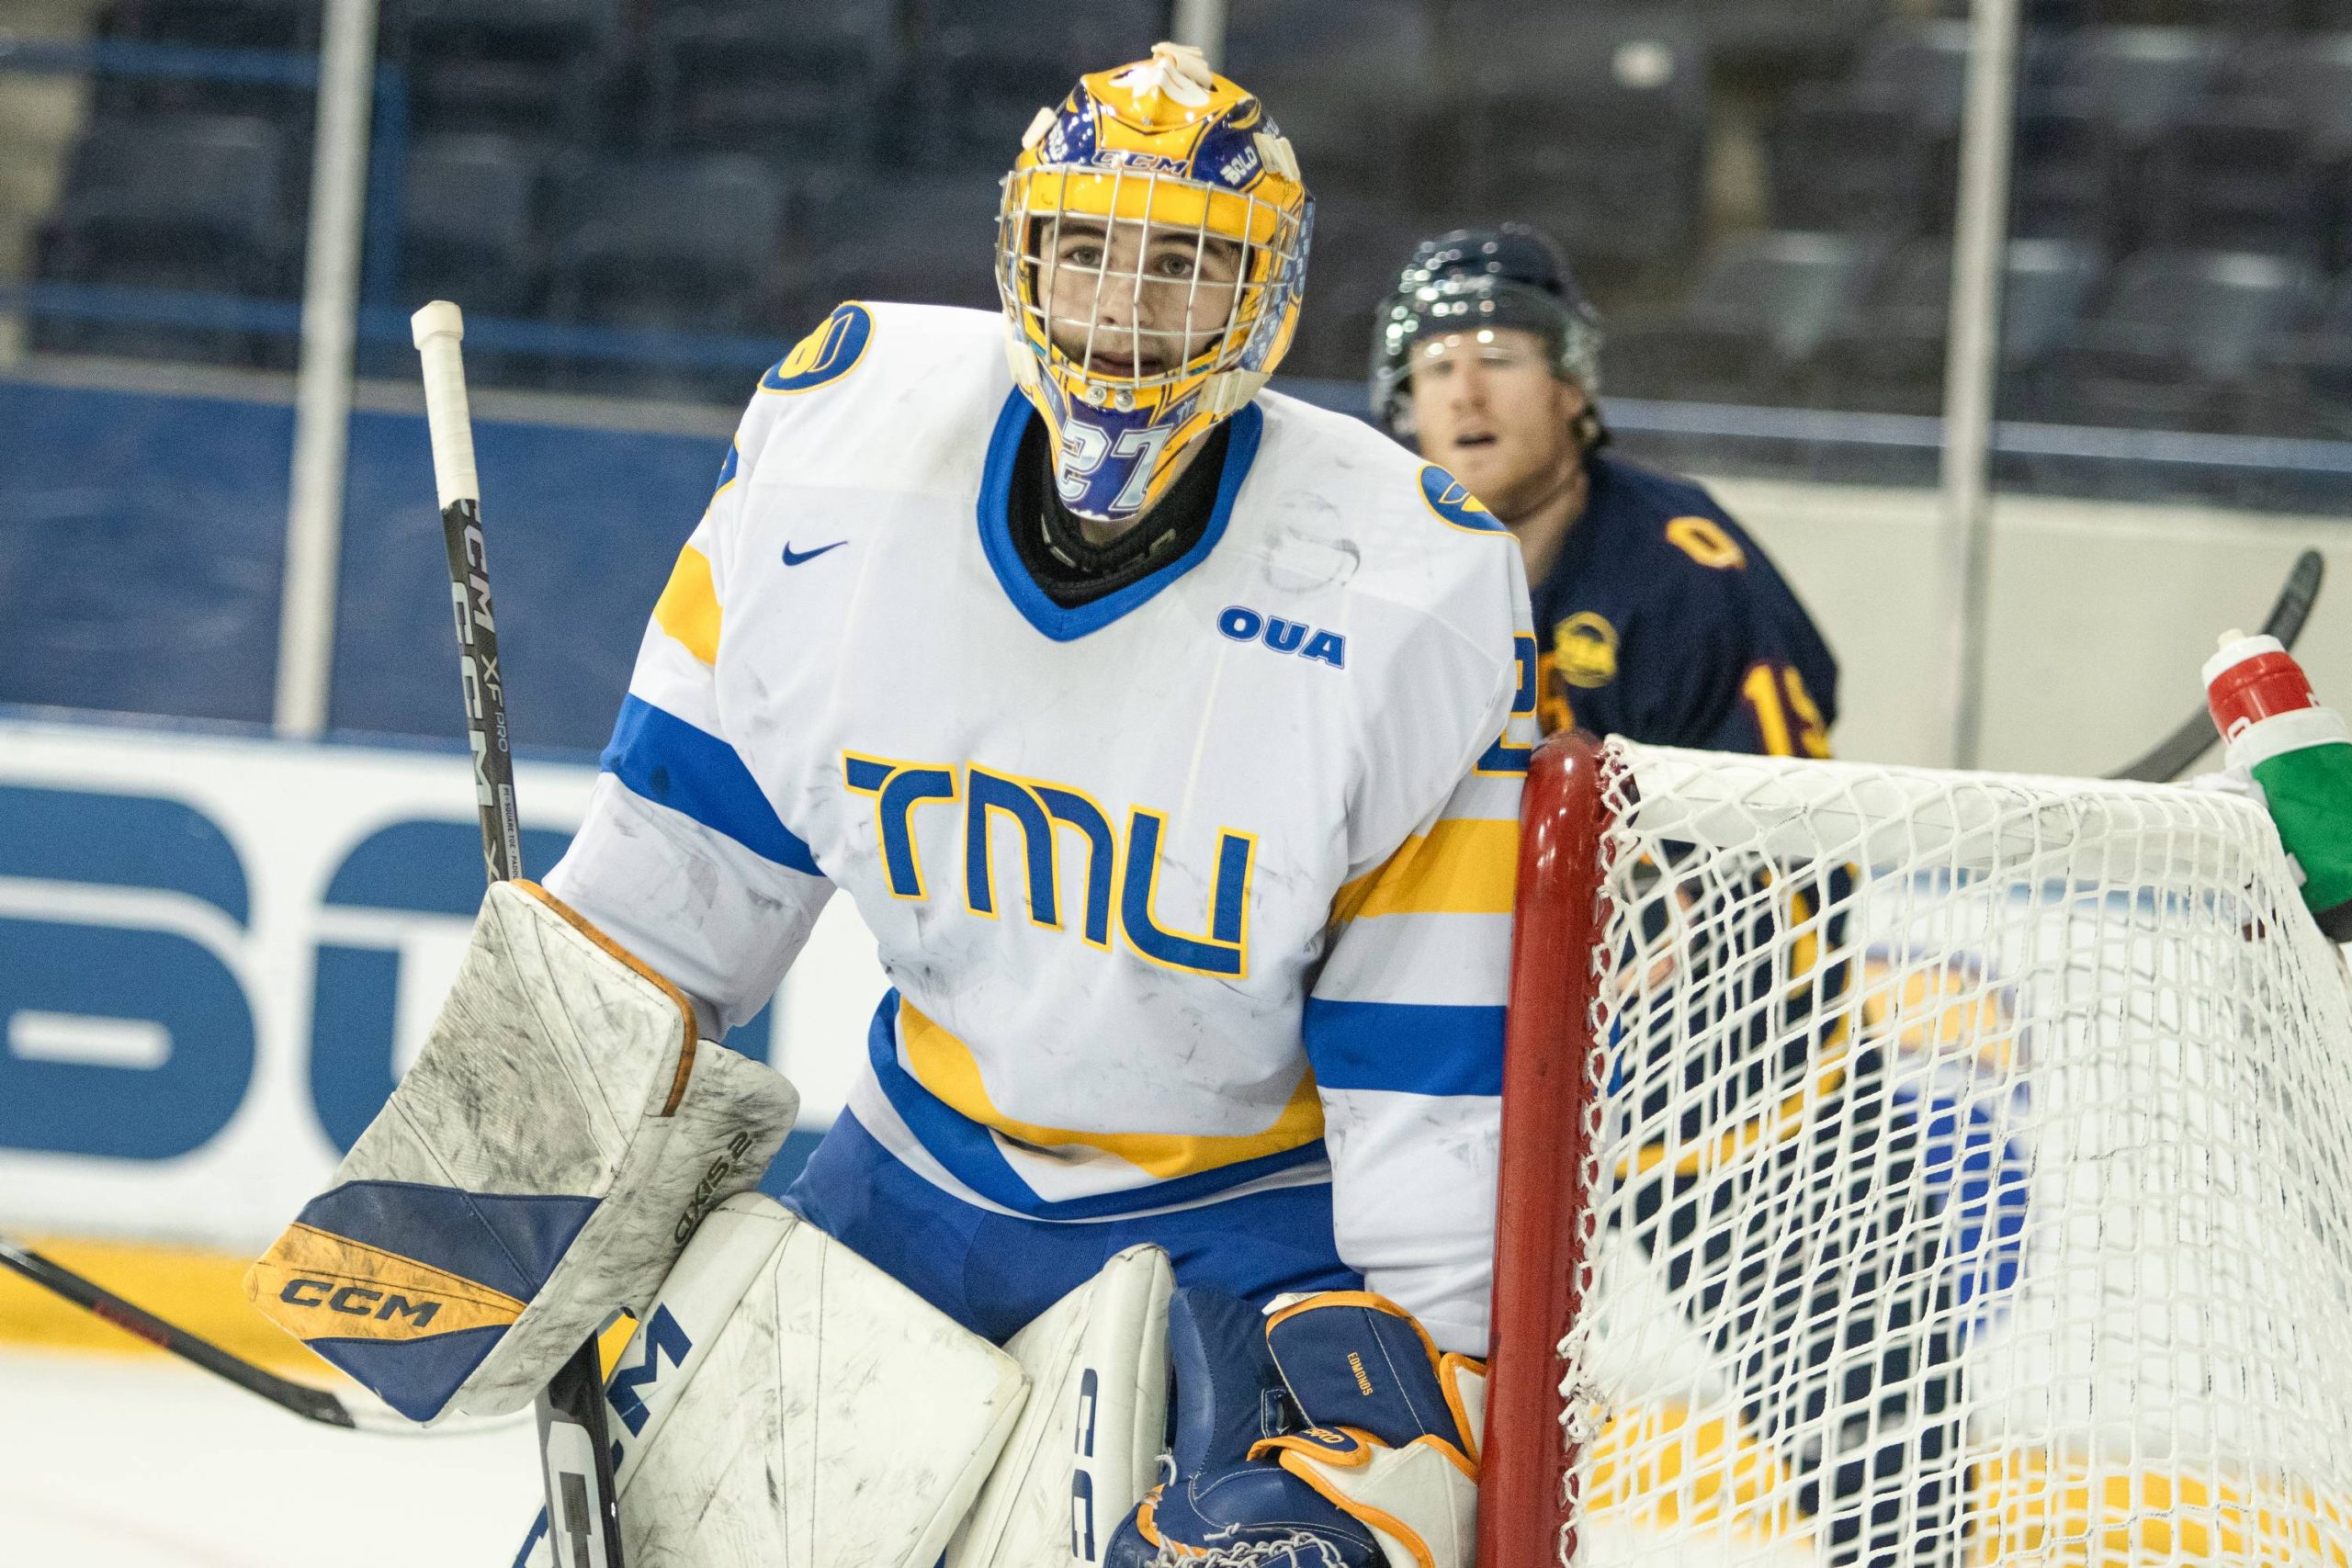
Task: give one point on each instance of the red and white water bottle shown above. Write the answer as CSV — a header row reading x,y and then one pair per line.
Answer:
x,y
2299,757
2252,679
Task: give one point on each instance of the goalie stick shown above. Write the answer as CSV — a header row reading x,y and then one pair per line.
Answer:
x,y
575,1451
2195,737
312,1404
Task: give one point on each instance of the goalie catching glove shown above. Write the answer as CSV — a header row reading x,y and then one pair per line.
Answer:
x,y
539,1168
1330,1432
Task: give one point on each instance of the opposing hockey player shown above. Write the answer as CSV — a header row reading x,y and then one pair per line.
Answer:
x,y
1660,619
1168,734
1663,621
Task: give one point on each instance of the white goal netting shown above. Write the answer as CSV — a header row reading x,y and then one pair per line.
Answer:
x,y
1973,1178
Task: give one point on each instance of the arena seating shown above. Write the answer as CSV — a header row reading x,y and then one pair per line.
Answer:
x,y
2182,338
2308,390
783,83
1762,307
691,242
1887,355
471,227
1759,194
1595,129
523,66
189,203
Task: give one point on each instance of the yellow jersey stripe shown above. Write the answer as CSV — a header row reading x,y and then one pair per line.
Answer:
x,y
1461,867
945,1066
688,608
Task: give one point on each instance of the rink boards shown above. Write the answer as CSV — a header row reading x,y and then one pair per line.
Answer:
x,y
217,953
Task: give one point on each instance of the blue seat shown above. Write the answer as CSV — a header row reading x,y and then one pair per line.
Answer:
x,y
2184,338
686,243
981,70
214,24
1321,69
470,228
285,25
2310,77
2238,178
187,203
690,241
2065,174
1778,36
1763,305
1848,157
2141,80
1360,246
522,67
1592,126
2312,395
1889,355
1921,65
923,239
777,81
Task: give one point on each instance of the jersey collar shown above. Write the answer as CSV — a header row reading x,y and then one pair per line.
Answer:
x,y
1068,625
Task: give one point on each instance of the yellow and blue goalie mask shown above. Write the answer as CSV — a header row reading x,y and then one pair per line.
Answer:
x,y
1151,252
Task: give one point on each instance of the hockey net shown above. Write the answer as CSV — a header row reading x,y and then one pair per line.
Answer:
x,y
1915,1170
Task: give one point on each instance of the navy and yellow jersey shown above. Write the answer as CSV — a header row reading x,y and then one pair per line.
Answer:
x,y
1663,622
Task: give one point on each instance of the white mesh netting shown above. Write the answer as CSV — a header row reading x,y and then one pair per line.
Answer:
x,y
1975,1164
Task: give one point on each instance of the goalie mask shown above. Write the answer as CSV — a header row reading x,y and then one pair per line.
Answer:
x,y
1150,252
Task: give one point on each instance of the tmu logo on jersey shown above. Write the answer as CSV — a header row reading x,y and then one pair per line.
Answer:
x,y
1121,877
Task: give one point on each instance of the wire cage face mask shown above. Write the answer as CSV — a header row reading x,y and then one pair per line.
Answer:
x,y
1151,248
1475,281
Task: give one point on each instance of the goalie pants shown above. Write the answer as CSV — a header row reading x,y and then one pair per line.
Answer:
x,y
993,1273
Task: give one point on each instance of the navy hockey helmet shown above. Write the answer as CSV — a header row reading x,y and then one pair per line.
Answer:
x,y
1507,276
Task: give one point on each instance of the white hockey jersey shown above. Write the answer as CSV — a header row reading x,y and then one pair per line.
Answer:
x,y
1199,888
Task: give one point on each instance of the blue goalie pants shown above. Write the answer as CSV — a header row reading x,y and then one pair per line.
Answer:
x,y
994,1272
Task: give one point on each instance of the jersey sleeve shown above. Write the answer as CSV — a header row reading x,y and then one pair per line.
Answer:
x,y
1404,1027
683,859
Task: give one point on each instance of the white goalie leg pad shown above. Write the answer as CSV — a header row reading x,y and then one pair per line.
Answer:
x,y
1089,1443
787,1404
539,1168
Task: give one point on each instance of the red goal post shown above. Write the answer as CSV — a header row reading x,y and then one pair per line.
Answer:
x,y
1548,1102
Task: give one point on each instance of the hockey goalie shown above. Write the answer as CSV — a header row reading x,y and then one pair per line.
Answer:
x,y
1168,734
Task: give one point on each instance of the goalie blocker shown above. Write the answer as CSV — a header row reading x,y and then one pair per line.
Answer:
x,y
538,1170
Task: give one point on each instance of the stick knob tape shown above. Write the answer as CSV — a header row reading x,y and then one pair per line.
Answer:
x,y
439,329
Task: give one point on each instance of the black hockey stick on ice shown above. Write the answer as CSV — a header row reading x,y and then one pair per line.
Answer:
x,y
2181,748
575,1449
311,1403
300,1398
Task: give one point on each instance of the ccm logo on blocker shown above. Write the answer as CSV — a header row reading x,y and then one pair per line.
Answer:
x,y
1244,624
359,1301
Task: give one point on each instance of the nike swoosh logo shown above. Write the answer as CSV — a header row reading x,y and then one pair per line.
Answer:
x,y
792,559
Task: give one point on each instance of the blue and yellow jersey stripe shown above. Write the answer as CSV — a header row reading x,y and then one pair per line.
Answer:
x,y
1460,866
1411,998
660,757
932,1079
666,745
